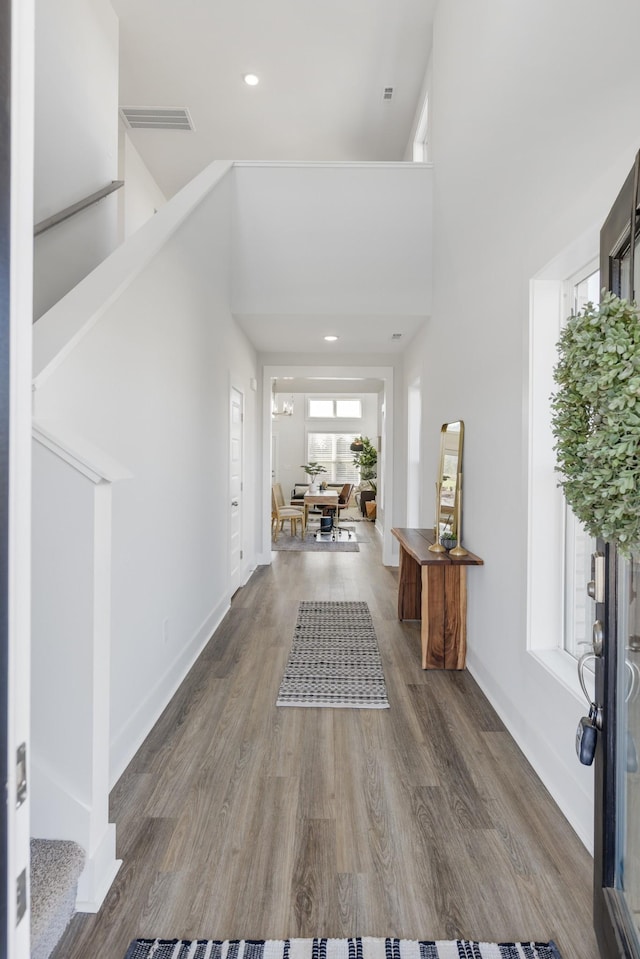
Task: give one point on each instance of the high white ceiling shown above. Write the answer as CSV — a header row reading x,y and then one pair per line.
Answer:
x,y
323,68
344,251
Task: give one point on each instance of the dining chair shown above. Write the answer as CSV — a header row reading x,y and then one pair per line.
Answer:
x,y
344,496
281,513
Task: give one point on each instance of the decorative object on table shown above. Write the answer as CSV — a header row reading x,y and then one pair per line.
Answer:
x,y
459,549
287,543
596,419
313,470
436,546
448,538
361,947
334,659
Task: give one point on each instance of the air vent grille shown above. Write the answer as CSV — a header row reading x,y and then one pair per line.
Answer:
x,y
388,93
156,118
396,336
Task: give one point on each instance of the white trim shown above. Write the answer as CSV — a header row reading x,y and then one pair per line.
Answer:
x,y
130,737
19,545
96,465
334,164
564,784
60,330
422,130
385,373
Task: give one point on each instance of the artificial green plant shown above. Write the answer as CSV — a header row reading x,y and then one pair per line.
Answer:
x,y
596,419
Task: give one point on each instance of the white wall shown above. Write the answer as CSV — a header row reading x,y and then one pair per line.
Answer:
x,y
291,435
140,197
341,239
149,384
535,125
76,142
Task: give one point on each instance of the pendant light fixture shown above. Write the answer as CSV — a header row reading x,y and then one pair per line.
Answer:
x,y
287,405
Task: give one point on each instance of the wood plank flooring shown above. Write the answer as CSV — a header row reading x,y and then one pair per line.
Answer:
x,y
240,819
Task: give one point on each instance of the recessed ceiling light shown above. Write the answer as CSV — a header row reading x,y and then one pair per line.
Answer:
x,y
331,339
251,79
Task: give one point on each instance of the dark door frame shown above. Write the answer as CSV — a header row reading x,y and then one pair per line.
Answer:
x,y
5,259
613,926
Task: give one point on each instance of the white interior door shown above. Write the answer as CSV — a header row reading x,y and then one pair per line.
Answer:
x,y
235,488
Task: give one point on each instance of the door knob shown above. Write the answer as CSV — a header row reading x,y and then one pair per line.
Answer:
x,y
234,502
597,634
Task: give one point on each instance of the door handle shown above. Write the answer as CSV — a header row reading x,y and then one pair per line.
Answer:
x,y
597,635
595,711
596,646
234,502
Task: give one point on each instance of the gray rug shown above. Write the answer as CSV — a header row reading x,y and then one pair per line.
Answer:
x,y
356,948
286,542
334,659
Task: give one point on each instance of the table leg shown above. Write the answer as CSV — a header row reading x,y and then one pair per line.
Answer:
x,y
409,587
455,617
444,617
432,630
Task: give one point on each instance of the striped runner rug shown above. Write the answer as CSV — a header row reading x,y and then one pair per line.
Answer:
x,y
334,659
357,948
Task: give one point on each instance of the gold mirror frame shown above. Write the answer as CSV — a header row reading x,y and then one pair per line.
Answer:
x,y
449,487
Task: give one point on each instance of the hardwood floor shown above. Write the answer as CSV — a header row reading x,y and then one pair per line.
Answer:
x,y
240,819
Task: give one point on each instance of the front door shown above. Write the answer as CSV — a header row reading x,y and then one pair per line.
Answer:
x,y
617,763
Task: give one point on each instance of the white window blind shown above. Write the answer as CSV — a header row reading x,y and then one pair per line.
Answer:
x,y
333,451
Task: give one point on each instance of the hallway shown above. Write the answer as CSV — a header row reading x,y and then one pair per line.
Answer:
x,y
240,819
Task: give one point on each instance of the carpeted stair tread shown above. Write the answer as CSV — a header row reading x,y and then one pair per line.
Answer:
x,y
56,865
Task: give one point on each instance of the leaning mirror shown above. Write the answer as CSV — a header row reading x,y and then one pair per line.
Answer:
x,y
448,524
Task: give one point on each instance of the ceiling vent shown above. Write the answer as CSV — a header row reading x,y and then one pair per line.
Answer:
x,y
156,118
388,93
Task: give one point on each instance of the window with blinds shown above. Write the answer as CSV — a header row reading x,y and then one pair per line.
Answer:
x,y
333,451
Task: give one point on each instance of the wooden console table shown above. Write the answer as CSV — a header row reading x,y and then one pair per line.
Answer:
x,y
432,587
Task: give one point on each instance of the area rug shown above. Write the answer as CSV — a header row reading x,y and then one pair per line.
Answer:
x,y
360,948
309,544
334,659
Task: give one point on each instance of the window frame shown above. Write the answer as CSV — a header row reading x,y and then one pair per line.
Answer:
x,y
334,399
574,578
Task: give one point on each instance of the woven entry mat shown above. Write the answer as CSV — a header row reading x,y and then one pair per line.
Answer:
x,y
334,659
355,948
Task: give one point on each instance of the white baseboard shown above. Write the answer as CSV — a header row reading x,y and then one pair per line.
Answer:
x,y
99,872
130,737
567,792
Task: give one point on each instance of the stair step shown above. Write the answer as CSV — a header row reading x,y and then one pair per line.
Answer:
x,y
56,865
